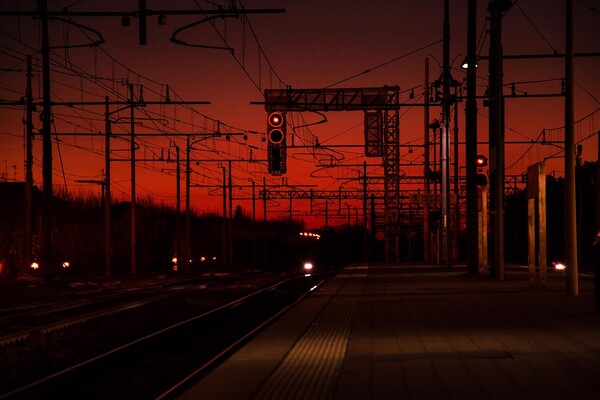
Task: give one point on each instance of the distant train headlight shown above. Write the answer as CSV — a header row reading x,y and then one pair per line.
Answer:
x,y
308,267
559,265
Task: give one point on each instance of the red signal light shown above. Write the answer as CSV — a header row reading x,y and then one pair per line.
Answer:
x,y
481,161
275,119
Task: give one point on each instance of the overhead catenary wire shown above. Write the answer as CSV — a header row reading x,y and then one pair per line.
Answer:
x,y
383,64
535,27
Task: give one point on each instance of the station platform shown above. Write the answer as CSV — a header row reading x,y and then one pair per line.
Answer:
x,y
421,332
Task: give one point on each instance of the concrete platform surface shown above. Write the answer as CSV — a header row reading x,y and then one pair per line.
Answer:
x,y
421,332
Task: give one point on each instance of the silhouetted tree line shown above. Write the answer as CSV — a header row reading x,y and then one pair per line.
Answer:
x,y
78,237
516,242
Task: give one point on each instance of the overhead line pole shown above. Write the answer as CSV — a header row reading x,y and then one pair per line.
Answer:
x,y
133,196
426,207
254,233
496,132
230,220
29,169
48,258
178,209
471,140
107,197
188,171
572,281
224,225
365,217
456,189
445,139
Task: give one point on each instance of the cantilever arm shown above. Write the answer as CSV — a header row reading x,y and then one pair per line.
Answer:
x,y
175,40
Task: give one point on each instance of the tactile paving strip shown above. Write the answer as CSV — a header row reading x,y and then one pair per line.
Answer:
x,y
310,369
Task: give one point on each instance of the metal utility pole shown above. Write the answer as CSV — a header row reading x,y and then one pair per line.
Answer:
x,y
28,169
178,207
456,188
142,25
596,239
230,222
572,281
254,235
291,210
445,138
426,208
365,217
187,249
48,259
435,127
264,199
133,196
224,227
471,140
107,196
496,133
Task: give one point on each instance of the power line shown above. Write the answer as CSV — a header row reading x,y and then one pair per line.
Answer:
x,y
536,28
385,63
592,8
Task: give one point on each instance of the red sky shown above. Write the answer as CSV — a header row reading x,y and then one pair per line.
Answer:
x,y
314,44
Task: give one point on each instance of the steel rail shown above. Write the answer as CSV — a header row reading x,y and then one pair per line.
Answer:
x,y
142,339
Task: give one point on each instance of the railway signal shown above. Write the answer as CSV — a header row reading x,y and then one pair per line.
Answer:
x,y
276,127
481,178
277,144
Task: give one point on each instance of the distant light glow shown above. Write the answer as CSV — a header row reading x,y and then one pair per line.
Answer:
x,y
66,264
559,266
35,265
310,235
202,258
308,266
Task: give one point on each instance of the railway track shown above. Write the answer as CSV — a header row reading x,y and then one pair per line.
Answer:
x,y
60,312
165,361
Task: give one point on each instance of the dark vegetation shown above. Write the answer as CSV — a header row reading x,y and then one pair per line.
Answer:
x,y
271,246
78,236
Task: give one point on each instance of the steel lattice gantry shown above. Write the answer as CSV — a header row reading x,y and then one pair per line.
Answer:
x,y
381,100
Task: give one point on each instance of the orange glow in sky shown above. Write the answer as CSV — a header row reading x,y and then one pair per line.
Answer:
x,y
314,44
